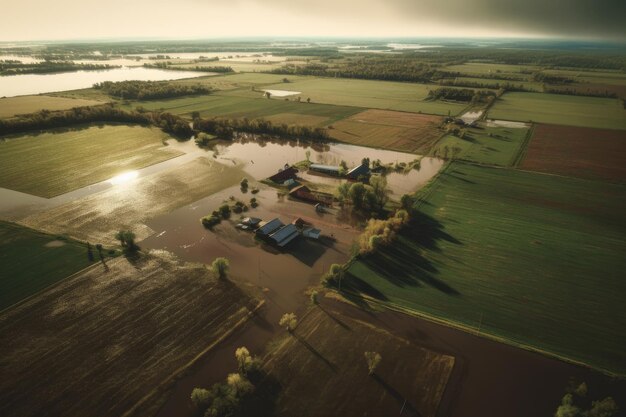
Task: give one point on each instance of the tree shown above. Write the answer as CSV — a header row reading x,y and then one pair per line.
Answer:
x,y
356,193
289,321
308,99
314,297
201,398
308,155
343,190
407,202
239,385
220,267
244,184
372,359
379,192
268,94
127,240
366,162
603,408
245,362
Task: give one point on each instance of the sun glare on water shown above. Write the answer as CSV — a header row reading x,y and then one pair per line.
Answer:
x,y
124,178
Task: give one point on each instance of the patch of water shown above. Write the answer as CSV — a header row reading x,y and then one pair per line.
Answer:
x,y
471,116
26,84
282,93
506,123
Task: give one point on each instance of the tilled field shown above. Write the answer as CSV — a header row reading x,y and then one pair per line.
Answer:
x,y
107,341
577,152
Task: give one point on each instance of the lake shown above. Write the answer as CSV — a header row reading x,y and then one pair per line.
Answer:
x,y
19,85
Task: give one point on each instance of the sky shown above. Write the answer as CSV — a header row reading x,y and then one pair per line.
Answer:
x,y
188,19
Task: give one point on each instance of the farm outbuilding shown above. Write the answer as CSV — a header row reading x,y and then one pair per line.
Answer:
x,y
325,169
284,174
284,235
267,228
362,170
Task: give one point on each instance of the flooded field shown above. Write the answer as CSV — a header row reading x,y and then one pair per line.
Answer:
x,y
471,116
19,85
282,93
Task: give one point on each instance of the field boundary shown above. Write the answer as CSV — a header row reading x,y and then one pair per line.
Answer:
x,y
471,330
517,160
165,384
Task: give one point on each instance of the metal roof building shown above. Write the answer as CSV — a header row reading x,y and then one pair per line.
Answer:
x,y
285,235
270,227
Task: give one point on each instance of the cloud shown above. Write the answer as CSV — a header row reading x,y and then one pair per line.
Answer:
x,y
393,18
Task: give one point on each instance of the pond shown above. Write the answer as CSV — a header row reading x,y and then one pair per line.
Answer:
x,y
18,85
282,93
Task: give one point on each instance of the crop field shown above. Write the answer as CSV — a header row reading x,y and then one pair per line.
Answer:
x,y
30,261
77,158
577,152
400,131
107,342
529,258
218,105
365,93
560,109
593,88
485,145
325,355
96,218
12,106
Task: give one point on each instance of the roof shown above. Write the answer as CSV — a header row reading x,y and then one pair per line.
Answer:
x,y
285,235
300,188
358,170
270,227
312,233
284,174
324,167
251,221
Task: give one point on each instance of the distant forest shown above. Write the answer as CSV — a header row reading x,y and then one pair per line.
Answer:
x,y
148,90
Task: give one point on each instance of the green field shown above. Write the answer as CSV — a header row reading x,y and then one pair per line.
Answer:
x,y
364,93
486,145
531,258
11,106
58,161
218,105
28,265
566,110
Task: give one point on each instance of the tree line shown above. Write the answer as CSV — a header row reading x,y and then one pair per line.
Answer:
x,y
225,128
198,68
461,94
147,90
17,68
46,119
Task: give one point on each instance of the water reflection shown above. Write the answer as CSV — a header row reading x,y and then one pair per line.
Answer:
x,y
124,178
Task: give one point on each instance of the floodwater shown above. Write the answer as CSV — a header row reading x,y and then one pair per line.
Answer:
x,y
282,93
230,56
506,123
19,85
471,116
25,59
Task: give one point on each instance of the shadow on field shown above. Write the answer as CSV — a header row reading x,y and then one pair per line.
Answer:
x,y
403,263
315,352
404,404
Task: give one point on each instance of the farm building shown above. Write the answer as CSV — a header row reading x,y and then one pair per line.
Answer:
x,y
362,170
251,221
284,235
284,174
291,183
267,228
311,233
326,169
301,191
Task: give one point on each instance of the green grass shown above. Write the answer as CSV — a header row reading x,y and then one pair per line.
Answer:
x,y
11,106
535,259
363,93
59,161
557,109
28,265
487,145
218,105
